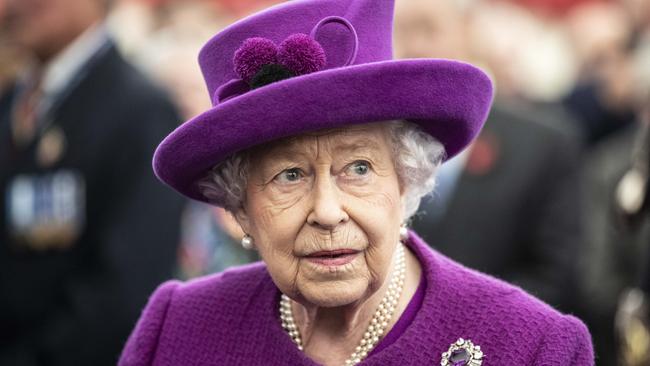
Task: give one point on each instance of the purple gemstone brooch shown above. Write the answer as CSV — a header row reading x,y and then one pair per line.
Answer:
x,y
462,353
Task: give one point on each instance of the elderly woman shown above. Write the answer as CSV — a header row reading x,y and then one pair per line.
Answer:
x,y
321,146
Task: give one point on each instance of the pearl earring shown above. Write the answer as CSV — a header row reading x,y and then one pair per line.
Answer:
x,y
247,242
403,232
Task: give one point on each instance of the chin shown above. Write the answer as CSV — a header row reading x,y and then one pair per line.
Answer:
x,y
336,293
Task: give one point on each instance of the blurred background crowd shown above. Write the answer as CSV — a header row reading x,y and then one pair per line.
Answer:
x,y
555,189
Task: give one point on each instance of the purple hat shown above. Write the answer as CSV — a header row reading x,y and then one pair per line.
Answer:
x,y
310,65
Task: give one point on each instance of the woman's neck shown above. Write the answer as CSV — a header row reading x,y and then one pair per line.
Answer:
x,y
330,335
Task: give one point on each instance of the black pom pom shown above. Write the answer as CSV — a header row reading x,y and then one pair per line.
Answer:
x,y
270,74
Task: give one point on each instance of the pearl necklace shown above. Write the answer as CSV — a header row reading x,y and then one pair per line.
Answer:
x,y
378,324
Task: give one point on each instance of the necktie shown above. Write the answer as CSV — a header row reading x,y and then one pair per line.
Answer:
x,y
24,121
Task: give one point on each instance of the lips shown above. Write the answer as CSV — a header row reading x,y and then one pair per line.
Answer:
x,y
337,257
332,253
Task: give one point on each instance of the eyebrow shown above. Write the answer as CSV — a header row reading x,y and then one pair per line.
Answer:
x,y
358,144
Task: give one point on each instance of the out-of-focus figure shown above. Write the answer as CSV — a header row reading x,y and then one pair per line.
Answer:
x,y
210,237
86,231
616,260
425,28
515,186
530,58
602,34
632,198
11,56
617,244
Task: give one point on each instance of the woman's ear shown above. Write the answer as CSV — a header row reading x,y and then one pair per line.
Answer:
x,y
402,197
242,219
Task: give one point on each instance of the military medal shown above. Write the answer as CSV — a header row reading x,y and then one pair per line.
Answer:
x,y
462,353
46,211
51,147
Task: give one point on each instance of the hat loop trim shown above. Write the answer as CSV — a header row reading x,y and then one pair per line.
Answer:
x,y
229,90
237,87
347,24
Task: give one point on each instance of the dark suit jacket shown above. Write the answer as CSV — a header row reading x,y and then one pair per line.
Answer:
x,y
518,219
76,306
615,249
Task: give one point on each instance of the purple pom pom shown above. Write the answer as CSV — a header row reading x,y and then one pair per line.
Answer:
x,y
252,55
301,54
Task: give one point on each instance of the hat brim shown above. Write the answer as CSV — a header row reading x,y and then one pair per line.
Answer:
x,y
447,99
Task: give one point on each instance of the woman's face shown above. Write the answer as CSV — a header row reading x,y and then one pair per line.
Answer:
x,y
324,211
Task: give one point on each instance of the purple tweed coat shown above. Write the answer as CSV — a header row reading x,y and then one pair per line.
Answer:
x,y
232,319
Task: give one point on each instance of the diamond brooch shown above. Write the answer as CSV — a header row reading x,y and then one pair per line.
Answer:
x,y
462,353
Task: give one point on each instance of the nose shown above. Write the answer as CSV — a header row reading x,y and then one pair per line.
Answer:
x,y
327,211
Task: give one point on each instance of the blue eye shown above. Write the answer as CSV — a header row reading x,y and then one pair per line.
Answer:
x,y
289,175
360,167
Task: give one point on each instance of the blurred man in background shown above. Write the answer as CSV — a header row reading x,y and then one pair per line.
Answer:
x,y
515,185
601,100
616,249
616,186
86,232
632,200
210,236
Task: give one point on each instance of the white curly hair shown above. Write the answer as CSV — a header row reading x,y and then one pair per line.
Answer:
x,y
417,156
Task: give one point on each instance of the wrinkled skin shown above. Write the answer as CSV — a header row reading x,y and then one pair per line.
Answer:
x,y
324,191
